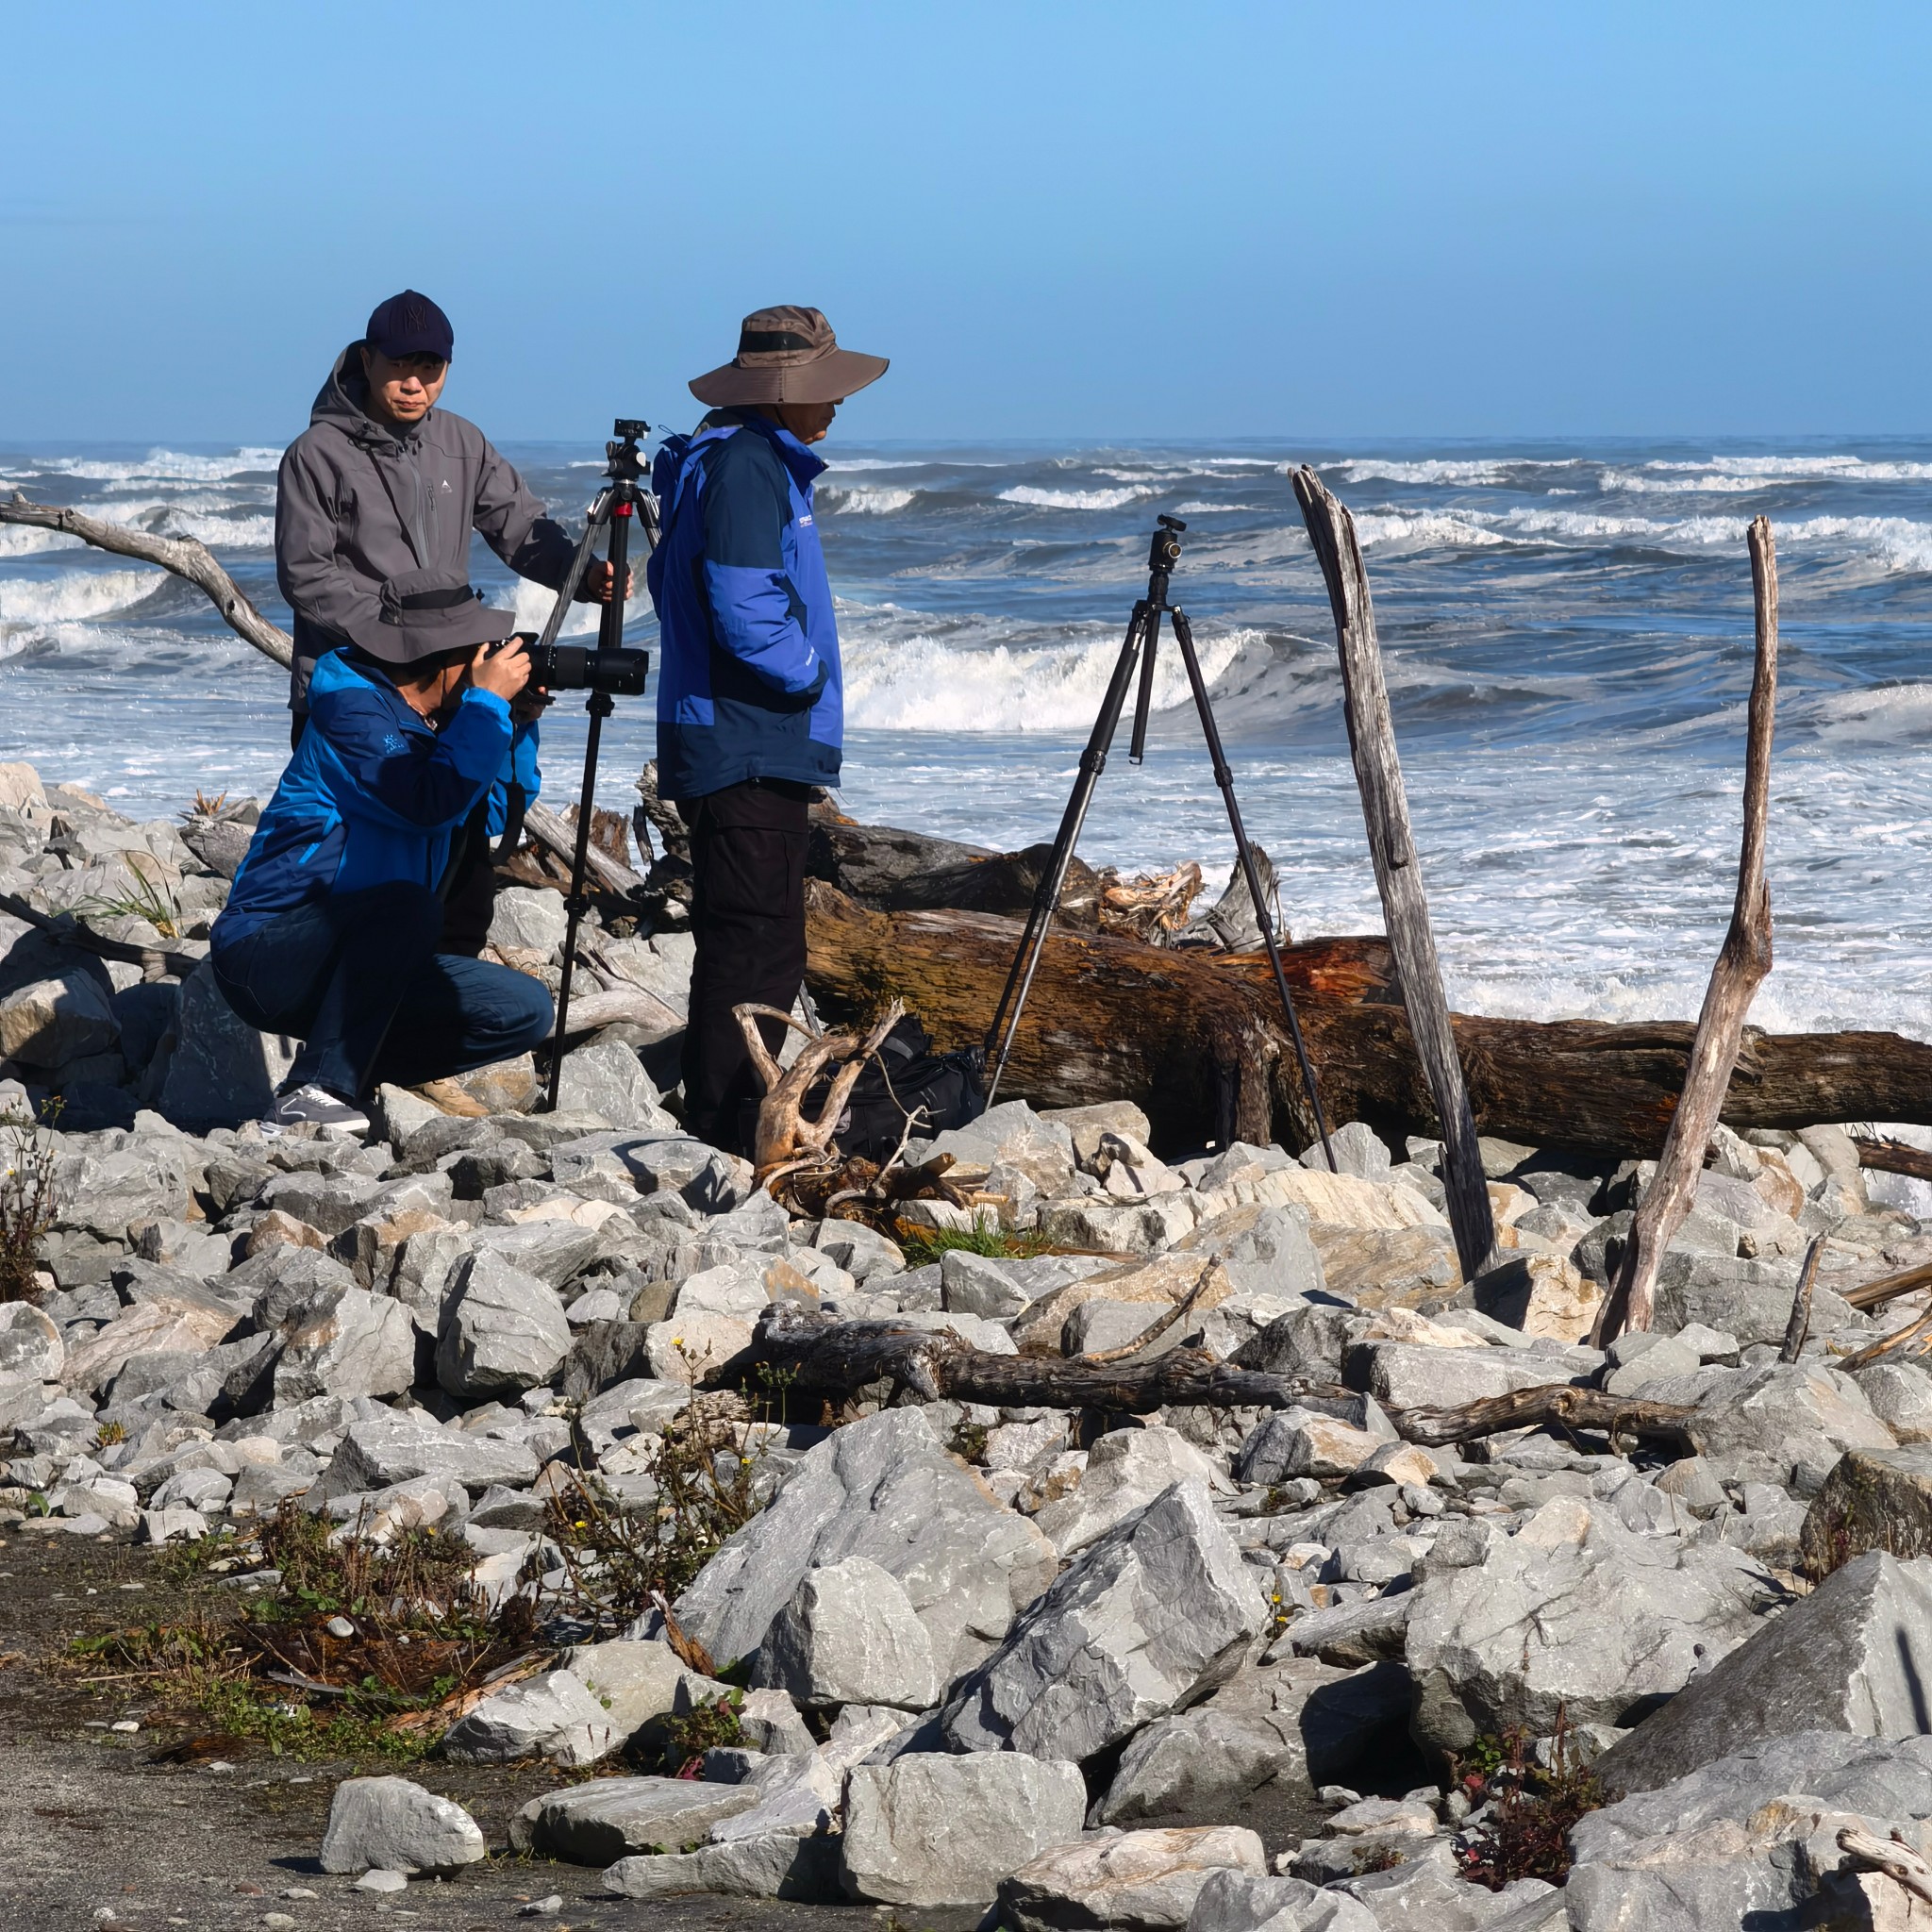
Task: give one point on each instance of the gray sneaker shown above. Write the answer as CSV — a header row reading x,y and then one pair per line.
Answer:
x,y
317,1108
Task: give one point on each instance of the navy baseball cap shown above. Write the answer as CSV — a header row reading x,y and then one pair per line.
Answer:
x,y
409,324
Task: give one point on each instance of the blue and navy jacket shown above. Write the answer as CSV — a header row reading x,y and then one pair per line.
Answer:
x,y
748,682
373,794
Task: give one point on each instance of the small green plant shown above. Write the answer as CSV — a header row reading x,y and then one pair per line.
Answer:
x,y
709,1727
30,1203
271,1667
145,898
108,1434
1526,1834
620,1557
924,1246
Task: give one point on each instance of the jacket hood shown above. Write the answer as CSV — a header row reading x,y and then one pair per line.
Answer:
x,y
343,401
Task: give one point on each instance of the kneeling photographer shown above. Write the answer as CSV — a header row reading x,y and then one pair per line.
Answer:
x,y
333,928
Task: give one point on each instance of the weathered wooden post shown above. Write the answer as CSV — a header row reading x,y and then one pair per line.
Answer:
x,y
1398,875
1742,964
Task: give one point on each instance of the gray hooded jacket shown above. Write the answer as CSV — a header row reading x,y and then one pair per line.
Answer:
x,y
358,502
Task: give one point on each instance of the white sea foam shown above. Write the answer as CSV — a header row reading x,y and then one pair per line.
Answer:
x,y
863,502
1432,530
160,465
901,680
1483,472
1074,499
75,595
22,540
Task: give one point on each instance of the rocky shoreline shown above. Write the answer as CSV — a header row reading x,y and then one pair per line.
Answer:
x,y
972,1657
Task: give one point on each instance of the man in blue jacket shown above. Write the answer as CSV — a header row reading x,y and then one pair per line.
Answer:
x,y
750,713
332,927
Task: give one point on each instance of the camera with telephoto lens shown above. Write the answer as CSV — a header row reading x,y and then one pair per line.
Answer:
x,y
582,667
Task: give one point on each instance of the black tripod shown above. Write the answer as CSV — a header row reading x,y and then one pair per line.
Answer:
x,y
1141,642
609,668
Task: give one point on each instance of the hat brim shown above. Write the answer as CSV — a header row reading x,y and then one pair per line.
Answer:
x,y
829,378
410,642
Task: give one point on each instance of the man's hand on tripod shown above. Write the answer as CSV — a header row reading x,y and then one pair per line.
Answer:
x,y
503,668
596,588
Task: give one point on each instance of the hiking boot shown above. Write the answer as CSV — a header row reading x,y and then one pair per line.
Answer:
x,y
449,1098
317,1108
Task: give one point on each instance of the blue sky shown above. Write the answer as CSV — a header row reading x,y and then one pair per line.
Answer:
x,y
1060,220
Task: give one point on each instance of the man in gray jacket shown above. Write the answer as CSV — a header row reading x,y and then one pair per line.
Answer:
x,y
383,483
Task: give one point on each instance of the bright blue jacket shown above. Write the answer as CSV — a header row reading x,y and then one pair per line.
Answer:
x,y
373,794
748,679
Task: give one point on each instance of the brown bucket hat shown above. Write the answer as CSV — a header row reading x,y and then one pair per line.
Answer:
x,y
427,611
788,354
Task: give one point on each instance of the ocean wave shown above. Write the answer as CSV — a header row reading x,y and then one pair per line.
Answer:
x,y
901,680
167,465
1074,499
24,539
533,602
1486,472
76,595
1434,529
863,502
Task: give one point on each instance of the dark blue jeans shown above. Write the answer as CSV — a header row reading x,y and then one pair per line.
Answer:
x,y
358,980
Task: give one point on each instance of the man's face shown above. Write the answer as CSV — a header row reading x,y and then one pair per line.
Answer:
x,y
403,391
809,421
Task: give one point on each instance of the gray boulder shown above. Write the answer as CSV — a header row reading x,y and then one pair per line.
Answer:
x,y
348,1343
1306,1341
1573,1613
30,1344
1152,1616
390,1824
220,1070
1266,1249
1232,1901
1126,1471
50,1022
931,1829
1194,1759
1742,1841
1138,1881
613,1818
386,1448
527,920
774,1865
849,1636
977,1284
884,1489
505,1332
1854,1656
555,1716
606,1078
1410,1374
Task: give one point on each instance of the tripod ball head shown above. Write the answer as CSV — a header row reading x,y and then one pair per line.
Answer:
x,y
1165,550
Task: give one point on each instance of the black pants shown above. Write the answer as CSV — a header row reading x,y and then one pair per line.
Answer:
x,y
747,855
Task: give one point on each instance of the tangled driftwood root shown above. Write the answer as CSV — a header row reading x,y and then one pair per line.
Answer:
x,y
786,1139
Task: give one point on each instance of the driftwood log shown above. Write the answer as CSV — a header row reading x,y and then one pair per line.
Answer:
x,y
1398,865
1551,1406
1181,1033
186,557
1892,1156
1742,965
821,1357
824,1359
